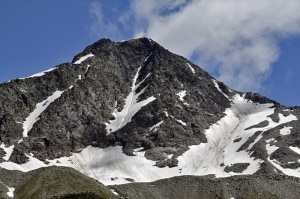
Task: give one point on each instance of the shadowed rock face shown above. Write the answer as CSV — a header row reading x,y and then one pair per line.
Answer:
x,y
138,95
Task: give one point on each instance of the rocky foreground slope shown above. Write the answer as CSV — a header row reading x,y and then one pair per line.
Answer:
x,y
124,112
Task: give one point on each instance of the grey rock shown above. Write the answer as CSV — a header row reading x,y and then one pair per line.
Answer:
x,y
77,119
94,88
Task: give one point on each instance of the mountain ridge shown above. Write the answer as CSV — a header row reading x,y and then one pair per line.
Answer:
x,y
122,108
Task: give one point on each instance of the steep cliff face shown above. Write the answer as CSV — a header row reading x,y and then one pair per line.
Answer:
x,y
133,111
136,78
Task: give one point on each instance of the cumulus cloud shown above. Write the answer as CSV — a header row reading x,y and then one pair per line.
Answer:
x,y
236,39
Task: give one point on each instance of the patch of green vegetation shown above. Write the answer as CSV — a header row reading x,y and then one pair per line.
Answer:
x,y
61,182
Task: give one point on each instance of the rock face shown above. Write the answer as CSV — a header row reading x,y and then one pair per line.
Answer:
x,y
93,88
161,110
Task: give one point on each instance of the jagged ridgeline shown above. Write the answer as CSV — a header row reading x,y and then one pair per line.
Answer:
x,y
132,111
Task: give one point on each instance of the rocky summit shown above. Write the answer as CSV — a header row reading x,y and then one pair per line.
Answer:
x,y
132,112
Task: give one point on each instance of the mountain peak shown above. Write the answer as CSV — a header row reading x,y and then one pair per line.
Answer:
x,y
133,110
142,45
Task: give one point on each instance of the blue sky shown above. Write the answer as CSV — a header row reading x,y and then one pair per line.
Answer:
x,y
250,45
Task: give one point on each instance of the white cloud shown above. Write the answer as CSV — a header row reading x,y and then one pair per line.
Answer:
x,y
236,38
101,26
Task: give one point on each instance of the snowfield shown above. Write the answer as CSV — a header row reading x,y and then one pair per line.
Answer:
x,y
111,166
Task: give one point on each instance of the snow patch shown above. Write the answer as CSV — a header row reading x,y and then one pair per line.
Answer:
x,y
192,69
285,130
218,88
138,150
80,60
181,122
8,150
166,113
271,149
34,163
170,156
37,74
288,118
41,73
39,109
146,59
114,192
270,140
10,192
131,107
155,126
291,172
295,149
181,95
87,68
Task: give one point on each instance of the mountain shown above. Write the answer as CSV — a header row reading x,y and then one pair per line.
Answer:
x,y
132,111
